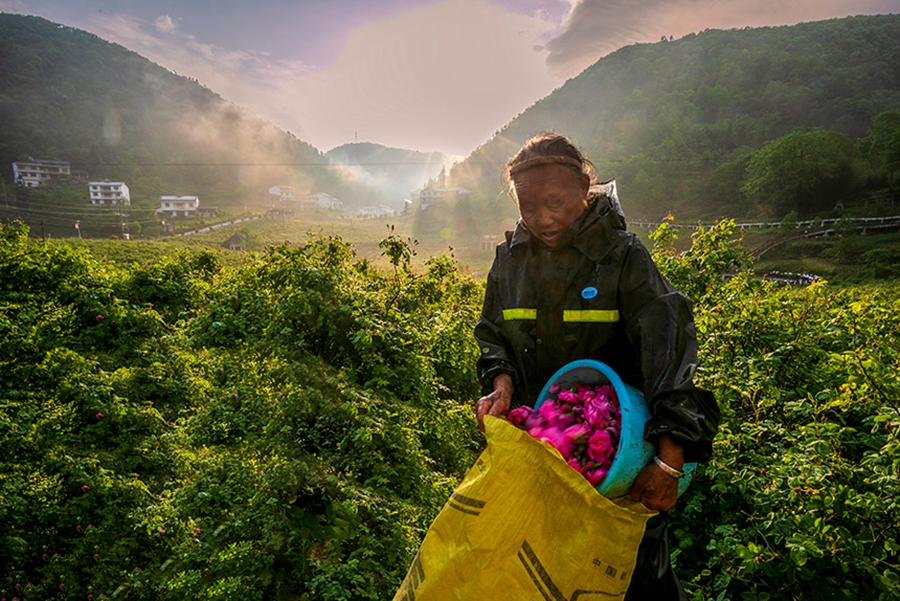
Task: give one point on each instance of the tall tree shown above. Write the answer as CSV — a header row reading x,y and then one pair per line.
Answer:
x,y
882,145
804,171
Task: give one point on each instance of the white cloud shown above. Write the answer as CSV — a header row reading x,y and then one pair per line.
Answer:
x,y
439,77
165,24
249,78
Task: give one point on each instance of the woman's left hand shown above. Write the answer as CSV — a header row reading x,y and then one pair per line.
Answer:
x,y
655,489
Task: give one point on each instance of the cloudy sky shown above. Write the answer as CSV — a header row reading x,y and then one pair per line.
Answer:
x,y
421,74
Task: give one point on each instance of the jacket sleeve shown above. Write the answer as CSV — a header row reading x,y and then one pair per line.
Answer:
x,y
495,351
660,325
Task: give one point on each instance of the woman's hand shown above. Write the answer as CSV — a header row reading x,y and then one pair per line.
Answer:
x,y
654,488
496,403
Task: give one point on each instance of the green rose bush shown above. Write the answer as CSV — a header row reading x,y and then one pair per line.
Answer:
x,y
288,427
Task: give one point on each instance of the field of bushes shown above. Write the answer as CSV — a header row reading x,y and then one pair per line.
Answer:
x,y
287,426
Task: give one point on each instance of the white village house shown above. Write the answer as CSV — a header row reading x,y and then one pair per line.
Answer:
x,y
430,195
373,211
283,193
285,198
178,206
38,172
319,200
109,193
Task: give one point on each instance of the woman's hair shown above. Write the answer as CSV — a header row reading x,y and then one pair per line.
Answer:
x,y
548,148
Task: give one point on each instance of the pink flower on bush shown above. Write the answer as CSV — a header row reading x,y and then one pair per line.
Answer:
x,y
100,416
100,318
583,423
85,487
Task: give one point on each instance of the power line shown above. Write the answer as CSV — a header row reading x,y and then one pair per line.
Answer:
x,y
386,163
57,210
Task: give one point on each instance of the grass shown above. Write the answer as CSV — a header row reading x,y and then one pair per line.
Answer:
x,y
838,259
363,234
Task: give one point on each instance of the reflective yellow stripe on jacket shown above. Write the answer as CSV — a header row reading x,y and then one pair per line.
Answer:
x,y
592,315
574,316
513,314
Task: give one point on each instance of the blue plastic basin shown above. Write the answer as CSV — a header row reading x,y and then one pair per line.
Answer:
x,y
633,452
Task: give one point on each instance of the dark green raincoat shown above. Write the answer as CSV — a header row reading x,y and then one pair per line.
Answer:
x,y
598,295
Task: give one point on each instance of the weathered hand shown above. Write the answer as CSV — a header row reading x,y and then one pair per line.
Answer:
x,y
655,489
496,403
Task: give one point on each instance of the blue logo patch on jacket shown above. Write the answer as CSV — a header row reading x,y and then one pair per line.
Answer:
x,y
589,293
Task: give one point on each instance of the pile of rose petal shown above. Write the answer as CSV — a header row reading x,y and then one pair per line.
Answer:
x,y
583,423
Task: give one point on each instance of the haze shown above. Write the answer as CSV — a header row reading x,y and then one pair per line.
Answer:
x,y
425,75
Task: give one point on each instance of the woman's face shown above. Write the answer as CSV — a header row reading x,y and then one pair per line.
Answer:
x,y
551,198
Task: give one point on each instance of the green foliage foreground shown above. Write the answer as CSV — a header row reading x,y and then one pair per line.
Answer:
x,y
288,428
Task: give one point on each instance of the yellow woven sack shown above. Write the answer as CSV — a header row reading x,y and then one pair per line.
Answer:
x,y
524,525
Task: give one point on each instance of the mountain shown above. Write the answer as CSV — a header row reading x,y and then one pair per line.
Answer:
x,y
393,172
68,95
676,122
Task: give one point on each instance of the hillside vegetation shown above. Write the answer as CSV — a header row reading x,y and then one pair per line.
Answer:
x,y
287,428
678,123
66,94
753,123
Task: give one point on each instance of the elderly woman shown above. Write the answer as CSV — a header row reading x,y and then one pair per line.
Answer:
x,y
570,283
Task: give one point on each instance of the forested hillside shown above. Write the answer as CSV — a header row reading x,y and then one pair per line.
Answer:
x,y
743,123
678,122
68,95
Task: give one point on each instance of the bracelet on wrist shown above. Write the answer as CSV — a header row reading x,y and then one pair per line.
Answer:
x,y
668,469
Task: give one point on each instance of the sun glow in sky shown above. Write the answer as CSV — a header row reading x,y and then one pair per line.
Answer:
x,y
431,75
